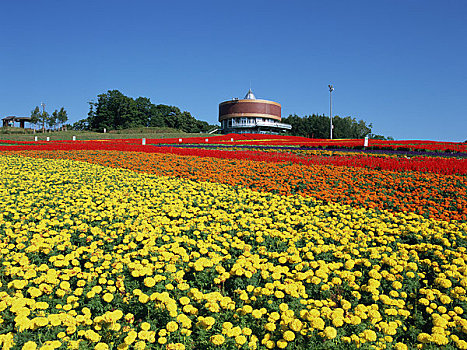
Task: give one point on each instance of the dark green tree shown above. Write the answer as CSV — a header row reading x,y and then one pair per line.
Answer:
x,y
62,117
82,124
43,118
52,119
318,126
35,116
113,110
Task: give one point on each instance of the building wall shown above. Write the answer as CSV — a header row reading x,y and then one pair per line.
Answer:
x,y
250,108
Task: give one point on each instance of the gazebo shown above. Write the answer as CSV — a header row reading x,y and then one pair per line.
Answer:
x,y
11,120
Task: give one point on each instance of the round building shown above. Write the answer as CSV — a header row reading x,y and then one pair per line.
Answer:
x,y
251,116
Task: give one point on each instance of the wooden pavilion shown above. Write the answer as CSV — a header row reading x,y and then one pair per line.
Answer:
x,y
11,120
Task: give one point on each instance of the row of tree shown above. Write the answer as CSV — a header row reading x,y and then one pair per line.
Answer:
x,y
113,110
57,119
319,126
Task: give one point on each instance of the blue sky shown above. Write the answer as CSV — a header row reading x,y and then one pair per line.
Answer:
x,y
398,64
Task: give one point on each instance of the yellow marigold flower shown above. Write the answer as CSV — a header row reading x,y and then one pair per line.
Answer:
x,y
275,315
424,338
279,294
445,299
65,285
318,323
439,339
92,336
338,321
162,340
442,309
41,321
30,345
172,326
443,282
184,300
257,313
81,283
217,339
247,309
346,305
400,346
209,320
330,332
240,339
281,343
140,345
288,336
108,297
131,337
346,340
149,282
424,301
369,335
145,326
101,346
349,264
296,325
270,327
61,335
43,305
175,346
227,325
143,298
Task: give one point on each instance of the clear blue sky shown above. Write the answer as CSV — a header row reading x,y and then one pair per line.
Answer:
x,y
398,64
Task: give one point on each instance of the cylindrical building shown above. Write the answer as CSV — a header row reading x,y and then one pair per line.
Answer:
x,y
251,115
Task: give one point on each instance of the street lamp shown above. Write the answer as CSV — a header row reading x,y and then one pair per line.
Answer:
x,y
331,89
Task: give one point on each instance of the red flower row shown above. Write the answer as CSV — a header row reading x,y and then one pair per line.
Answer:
x,y
439,165
279,140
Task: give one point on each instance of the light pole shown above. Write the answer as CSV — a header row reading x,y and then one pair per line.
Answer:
x,y
331,89
43,116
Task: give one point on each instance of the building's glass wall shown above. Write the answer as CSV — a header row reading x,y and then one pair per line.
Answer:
x,y
252,125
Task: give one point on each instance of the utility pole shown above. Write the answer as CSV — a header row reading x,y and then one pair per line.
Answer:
x,y
43,116
331,89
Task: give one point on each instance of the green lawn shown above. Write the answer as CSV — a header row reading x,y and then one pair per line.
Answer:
x,y
16,134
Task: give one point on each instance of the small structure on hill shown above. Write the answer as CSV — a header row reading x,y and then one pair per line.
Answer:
x,y
251,116
11,120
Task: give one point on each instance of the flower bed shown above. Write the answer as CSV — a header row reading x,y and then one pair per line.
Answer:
x,y
115,245
432,195
108,258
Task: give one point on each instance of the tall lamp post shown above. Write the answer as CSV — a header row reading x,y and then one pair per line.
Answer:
x,y
43,116
331,89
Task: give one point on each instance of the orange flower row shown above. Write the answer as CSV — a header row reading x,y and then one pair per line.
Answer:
x,y
432,195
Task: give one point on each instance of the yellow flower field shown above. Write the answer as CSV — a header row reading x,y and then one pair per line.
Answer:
x,y
103,258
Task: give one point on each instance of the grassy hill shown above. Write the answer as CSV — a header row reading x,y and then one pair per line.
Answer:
x,y
17,134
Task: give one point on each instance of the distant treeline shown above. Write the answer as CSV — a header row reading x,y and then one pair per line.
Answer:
x,y
318,127
114,111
